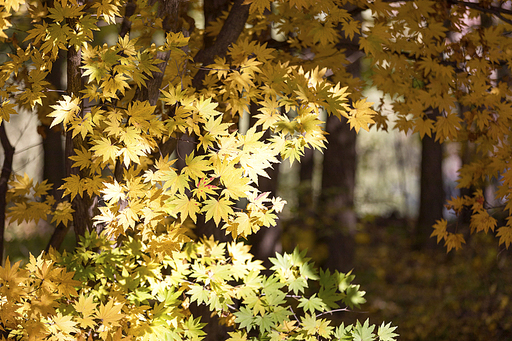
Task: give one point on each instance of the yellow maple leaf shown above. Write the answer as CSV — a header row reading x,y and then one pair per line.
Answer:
x,y
482,221
113,193
196,166
217,209
10,273
105,149
109,313
6,110
258,6
424,127
73,185
186,207
63,213
21,185
82,158
440,230
447,126
454,241
62,324
505,234
65,110
361,116
87,308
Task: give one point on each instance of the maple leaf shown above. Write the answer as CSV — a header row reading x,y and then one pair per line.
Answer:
x,y
505,234
73,185
217,209
114,193
361,116
185,207
440,230
6,110
108,9
82,126
109,313
21,185
258,6
10,273
386,332
87,307
63,213
447,126
105,149
454,241
351,27
82,158
196,166
65,111
482,221
424,127
62,324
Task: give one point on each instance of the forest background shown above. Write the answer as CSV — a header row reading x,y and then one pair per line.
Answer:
x,y
428,177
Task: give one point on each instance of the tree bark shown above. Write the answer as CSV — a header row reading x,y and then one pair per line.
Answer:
x,y
337,196
305,190
4,180
82,216
432,197
338,177
233,26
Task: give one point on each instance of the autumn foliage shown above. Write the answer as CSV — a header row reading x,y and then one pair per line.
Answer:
x,y
139,269
133,199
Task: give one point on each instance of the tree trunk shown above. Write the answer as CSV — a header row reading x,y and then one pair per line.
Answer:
x,y
4,180
54,166
432,197
337,196
305,189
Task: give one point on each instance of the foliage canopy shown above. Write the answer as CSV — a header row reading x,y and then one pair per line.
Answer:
x,y
139,271
128,102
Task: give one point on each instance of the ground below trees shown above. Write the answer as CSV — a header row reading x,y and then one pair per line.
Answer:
x,y
431,295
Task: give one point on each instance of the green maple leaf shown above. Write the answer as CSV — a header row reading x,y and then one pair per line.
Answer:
x,y
265,322
386,332
198,293
312,304
363,332
354,297
192,328
245,318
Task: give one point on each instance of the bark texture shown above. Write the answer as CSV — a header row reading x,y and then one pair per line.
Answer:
x,y
337,196
4,179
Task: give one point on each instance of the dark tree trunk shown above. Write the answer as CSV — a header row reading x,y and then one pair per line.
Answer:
x,y
4,180
432,196
337,197
338,176
305,190
54,168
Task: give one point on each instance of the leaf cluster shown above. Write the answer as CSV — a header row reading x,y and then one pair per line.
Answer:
x,y
110,293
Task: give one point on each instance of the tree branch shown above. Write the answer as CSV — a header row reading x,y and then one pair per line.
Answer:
x,y
233,26
497,11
